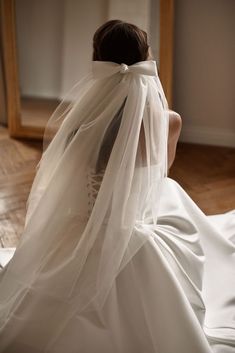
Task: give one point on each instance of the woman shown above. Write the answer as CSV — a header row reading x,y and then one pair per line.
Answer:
x,y
115,257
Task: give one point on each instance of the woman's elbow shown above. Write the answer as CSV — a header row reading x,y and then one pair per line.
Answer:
x,y
175,125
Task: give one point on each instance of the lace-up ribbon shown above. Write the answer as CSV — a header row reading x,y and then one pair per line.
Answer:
x,y
94,181
102,69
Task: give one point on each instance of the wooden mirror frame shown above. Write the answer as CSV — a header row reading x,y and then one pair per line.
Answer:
x,y
15,127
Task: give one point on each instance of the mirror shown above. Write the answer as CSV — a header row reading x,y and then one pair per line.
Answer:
x,y
46,50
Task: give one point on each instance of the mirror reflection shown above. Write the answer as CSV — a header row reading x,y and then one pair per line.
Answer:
x,y
54,51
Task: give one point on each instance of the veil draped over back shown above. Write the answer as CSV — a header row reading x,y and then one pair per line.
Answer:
x,y
97,185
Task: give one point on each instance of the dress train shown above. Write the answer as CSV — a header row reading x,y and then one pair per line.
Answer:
x,y
176,295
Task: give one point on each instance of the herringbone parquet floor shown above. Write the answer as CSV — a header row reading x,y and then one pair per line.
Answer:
x,y
18,160
206,173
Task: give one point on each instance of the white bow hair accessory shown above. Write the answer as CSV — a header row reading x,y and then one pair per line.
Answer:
x,y
103,69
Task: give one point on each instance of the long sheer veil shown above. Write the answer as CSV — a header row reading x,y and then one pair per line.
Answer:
x,y
80,232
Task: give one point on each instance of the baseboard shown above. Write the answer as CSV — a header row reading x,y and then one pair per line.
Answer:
x,y
208,136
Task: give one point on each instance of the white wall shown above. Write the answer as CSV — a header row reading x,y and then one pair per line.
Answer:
x,y
81,19
55,43
133,11
154,29
204,79
39,29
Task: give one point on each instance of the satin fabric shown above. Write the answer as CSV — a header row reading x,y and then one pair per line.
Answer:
x,y
176,295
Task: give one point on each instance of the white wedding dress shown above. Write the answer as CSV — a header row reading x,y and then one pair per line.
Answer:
x,y
147,283
183,287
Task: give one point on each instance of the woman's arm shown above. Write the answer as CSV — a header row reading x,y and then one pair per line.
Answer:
x,y
175,124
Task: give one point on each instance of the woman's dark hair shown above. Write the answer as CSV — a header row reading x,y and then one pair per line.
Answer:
x,y
120,42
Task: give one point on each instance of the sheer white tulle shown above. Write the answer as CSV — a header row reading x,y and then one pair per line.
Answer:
x,y
101,239
115,257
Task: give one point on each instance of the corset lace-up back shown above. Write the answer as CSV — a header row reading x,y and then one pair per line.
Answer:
x,y
94,181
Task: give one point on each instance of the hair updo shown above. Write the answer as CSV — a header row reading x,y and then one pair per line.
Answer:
x,y
120,42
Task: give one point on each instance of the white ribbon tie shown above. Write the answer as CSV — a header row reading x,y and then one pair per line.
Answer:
x,y
103,69
124,68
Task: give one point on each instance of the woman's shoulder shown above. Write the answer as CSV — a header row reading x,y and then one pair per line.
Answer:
x,y
175,121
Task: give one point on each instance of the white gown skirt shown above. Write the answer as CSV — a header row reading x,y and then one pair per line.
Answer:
x,y
176,295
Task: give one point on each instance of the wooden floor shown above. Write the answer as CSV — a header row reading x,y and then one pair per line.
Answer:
x,y
206,173
18,160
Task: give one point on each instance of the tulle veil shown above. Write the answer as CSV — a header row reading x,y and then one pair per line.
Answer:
x,y
80,233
